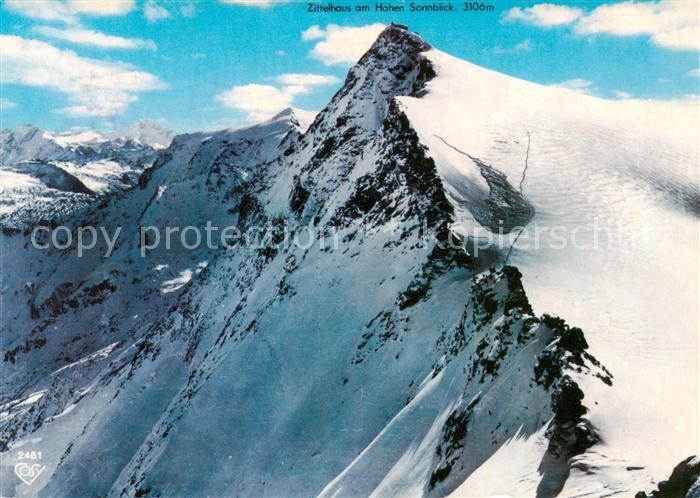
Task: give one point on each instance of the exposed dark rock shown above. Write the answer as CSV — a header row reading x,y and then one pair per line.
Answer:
x,y
298,197
683,482
454,434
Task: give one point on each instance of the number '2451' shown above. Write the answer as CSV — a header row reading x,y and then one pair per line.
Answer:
x,y
29,455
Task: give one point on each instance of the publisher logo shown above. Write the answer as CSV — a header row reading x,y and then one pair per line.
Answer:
x,y
28,466
28,472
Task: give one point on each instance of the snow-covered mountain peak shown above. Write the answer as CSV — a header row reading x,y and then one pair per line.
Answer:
x,y
395,39
300,118
25,131
393,66
282,122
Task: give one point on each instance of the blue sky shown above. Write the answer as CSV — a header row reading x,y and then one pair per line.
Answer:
x,y
70,64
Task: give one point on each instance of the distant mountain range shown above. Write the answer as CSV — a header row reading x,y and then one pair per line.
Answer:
x,y
47,176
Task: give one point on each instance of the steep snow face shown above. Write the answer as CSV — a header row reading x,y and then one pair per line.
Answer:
x,y
358,353
620,173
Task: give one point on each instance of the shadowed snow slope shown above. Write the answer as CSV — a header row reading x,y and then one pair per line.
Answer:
x,y
382,361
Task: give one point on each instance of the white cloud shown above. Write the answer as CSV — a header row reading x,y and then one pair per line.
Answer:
x,y
43,10
693,73
342,44
103,7
299,83
669,24
260,102
313,33
523,46
295,89
280,53
153,11
81,36
7,104
620,94
188,9
306,79
94,88
544,14
68,11
579,85
199,55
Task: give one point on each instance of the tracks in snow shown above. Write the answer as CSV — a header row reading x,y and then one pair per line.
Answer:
x,y
527,157
522,181
505,203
